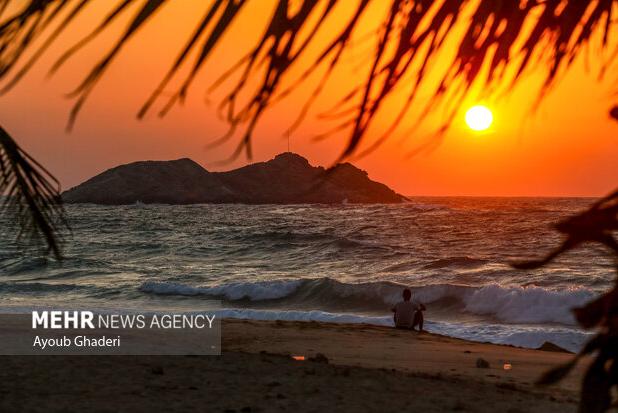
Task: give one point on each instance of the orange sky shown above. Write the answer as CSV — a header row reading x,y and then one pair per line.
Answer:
x,y
568,147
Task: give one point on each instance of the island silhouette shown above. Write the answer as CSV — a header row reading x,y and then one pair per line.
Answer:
x,y
286,179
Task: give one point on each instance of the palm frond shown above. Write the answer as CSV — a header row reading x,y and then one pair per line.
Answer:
x,y
524,35
597,225
31,196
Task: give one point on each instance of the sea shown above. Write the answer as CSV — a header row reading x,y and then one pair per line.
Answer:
x,y
333,263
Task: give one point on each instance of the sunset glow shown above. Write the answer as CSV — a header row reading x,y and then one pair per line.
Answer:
x,y
542,147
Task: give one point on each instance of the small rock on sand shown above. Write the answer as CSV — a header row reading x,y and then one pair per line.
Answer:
x,y
319,358
548,346
481,363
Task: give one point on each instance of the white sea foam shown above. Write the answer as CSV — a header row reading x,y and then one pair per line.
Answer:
x,y
515,305
533,305
522,336
296,315
526,304
571,339
531,315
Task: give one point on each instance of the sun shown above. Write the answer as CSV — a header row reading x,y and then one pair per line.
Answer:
x,y
479,118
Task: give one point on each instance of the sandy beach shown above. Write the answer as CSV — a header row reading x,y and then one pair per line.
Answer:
x,y
364,368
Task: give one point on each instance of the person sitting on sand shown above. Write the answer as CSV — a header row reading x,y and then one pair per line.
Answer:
x,y
408,315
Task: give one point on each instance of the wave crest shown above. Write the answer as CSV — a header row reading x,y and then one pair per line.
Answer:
x,y
256,291
515,305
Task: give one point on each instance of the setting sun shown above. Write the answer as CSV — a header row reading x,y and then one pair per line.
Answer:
x,y
479,118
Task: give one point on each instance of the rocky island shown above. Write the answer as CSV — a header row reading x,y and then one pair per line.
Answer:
x,y
286,179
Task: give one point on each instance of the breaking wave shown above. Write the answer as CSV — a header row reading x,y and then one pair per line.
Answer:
x,y
568,338
532,305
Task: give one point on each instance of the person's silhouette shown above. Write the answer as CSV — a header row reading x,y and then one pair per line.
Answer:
x,y
408,315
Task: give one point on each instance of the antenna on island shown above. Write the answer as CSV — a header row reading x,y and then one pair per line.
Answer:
x,y
288,140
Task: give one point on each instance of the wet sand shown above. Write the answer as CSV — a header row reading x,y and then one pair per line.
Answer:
x,y
364,368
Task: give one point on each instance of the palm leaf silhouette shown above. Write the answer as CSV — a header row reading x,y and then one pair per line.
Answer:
x,y
31,195
545,35
596,224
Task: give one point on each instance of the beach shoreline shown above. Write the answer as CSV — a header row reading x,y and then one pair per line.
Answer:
x,y
345,368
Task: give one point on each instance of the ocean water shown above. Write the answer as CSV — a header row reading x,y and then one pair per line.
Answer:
x,y
344,263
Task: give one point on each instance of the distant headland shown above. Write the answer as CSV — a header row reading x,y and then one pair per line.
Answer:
x,y
286,179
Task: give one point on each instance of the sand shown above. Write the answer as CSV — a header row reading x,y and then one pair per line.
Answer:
x,y
367,369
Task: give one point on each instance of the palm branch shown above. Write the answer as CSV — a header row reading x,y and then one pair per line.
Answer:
x,y
31,195
545,35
